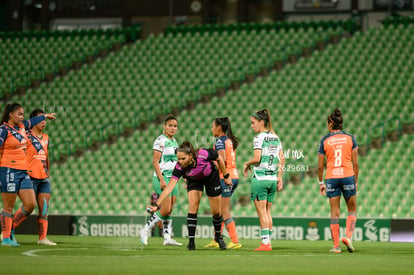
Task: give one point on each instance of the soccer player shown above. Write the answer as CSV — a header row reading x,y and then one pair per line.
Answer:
x,y
200,171
164,160
268,161
38,169
341,151
226,145
14,179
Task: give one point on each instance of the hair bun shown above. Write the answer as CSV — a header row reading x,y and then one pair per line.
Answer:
x,y
337,112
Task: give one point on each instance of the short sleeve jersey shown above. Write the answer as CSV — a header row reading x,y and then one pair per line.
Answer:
x,y
270,145
168,148
202,169
338,146
37,150
225,143
14,145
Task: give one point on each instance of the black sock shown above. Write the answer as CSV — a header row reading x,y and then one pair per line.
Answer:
x,y
191,226
217,220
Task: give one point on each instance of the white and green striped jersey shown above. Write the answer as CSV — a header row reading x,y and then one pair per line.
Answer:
x,y
270,145
168,149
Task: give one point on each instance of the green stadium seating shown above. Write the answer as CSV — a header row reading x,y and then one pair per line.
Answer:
x,y
31,55
124,89
353,75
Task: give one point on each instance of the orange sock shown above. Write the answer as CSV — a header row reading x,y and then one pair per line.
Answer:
x,y
6,224
231,228
350,224
42,224
335,234
19,217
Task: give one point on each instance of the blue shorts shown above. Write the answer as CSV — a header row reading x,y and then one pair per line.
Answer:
x,y
227,191
41,186
346,186
13,180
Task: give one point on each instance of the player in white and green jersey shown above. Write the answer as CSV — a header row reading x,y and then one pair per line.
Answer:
x,y
167,148
164,160
268,161
266,169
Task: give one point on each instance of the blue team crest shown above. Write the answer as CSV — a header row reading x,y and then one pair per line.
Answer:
x,y
17,135
37,145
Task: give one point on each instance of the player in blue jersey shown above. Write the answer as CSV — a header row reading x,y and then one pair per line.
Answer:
x,y
226,145
14,179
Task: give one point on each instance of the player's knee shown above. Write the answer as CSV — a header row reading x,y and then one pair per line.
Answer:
x,y
165,211
28,208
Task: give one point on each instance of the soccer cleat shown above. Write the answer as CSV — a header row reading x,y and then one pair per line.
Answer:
x,y
336,250
9,242
212,244
172,242
191,246
232,245
348,244
221,242
144,236
264,247
11,236
45,241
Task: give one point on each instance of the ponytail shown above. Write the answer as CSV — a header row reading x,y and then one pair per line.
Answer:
x,y
225,125
265,116
10,108
336,119
187,147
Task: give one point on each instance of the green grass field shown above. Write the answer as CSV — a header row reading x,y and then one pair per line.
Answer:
x,y
105,255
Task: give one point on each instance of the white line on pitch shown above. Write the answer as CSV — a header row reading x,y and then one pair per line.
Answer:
x,y
33,253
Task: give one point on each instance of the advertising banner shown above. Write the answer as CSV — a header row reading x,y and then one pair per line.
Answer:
x,y
247,227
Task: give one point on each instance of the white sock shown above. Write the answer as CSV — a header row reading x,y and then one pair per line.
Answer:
x,y
167,225
154,219
264,236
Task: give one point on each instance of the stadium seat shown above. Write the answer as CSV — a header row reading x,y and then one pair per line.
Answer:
x,y
116,89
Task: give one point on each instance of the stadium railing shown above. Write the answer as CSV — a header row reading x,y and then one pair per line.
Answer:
x,y
381,129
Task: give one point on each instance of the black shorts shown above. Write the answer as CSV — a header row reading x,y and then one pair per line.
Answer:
x,y
211,184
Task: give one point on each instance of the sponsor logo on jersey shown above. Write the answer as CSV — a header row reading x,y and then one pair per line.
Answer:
x,y
337,140
338,172
268,139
